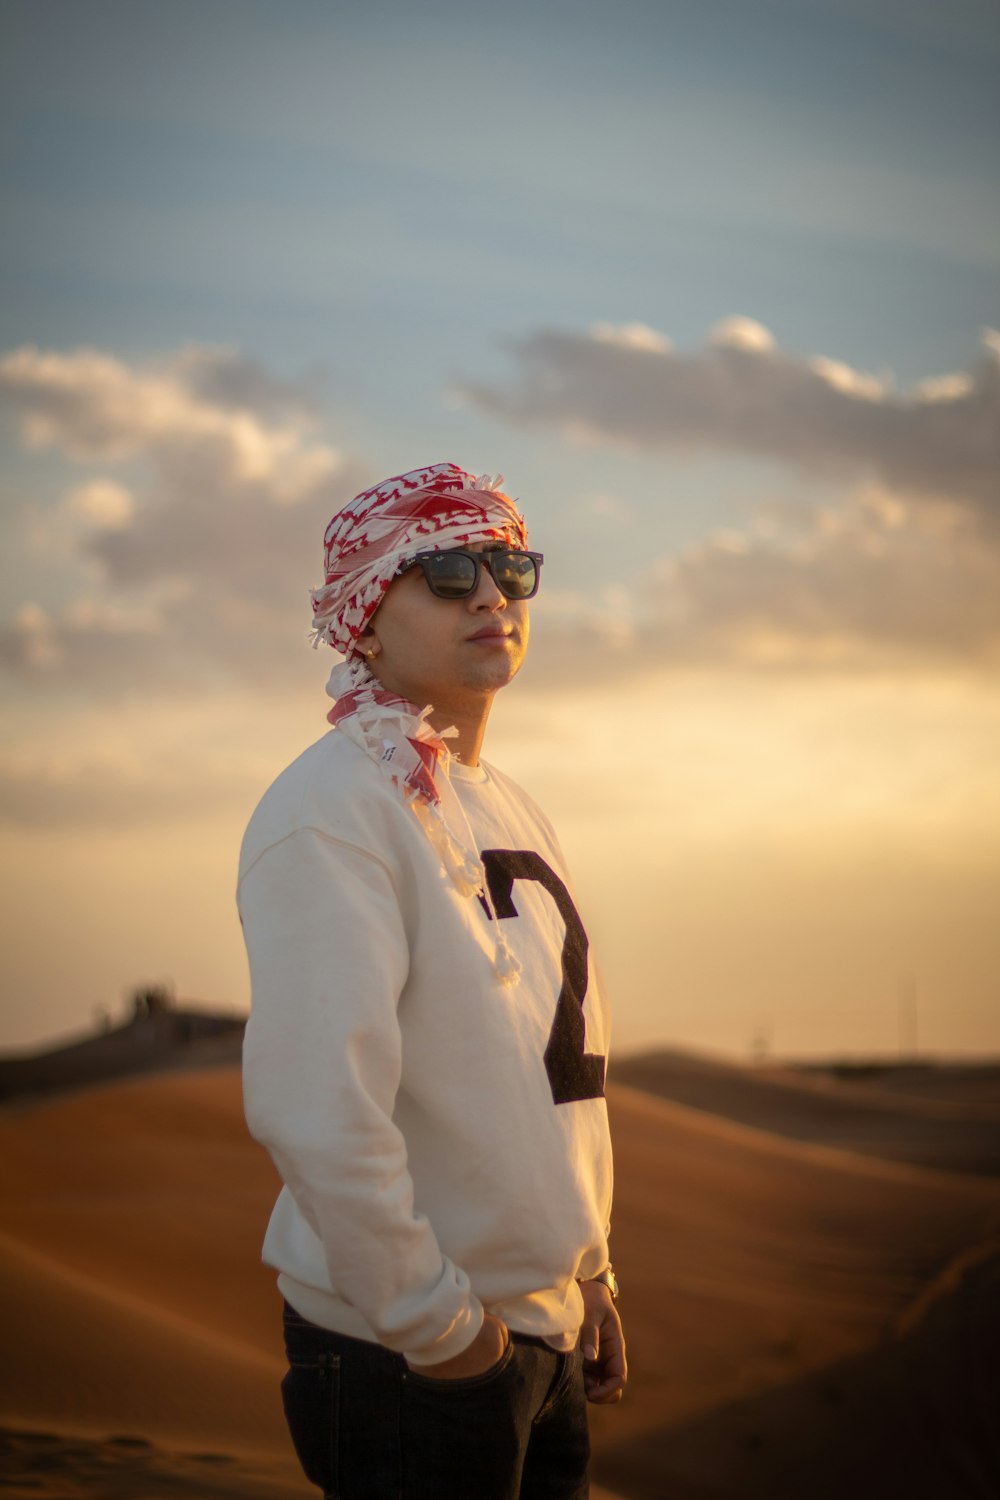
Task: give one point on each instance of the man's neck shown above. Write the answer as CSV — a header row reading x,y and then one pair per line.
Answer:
x,y
468,711
470,722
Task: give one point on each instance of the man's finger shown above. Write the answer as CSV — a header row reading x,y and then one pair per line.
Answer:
x,y
589,1340
604,1395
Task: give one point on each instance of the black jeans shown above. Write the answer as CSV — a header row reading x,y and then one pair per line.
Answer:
x,y
366,1427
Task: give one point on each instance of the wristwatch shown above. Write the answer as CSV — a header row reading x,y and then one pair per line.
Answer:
x,y
607,1278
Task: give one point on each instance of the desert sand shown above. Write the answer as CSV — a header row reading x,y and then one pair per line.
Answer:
x,y
803,1320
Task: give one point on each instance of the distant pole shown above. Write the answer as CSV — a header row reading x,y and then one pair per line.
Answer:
x,y
907,1016
760,1044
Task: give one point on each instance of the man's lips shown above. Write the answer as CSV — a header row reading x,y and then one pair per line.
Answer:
x,y
491,633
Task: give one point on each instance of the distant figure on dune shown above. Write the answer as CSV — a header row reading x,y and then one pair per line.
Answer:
x,y
425,1054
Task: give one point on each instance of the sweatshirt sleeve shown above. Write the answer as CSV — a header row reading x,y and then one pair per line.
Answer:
x,y
322,1063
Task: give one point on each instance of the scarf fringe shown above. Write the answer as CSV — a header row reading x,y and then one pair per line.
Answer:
x,y
366,726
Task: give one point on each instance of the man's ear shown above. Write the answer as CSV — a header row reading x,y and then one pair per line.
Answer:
x,y
369,644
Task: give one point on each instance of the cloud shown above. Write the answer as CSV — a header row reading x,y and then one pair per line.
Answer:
x,y
902,570
92,638
230,379
632,336
137,779
203,411
874,582
179,645
213,489
871,582
208,550
741,392
102,503
742,333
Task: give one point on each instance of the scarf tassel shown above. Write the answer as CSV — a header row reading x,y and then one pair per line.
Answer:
x,y
372,725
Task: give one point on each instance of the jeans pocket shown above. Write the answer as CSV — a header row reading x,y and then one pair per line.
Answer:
x,y
465,1382
310,1395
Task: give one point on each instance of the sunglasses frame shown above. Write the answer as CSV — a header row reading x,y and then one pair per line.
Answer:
x,y
422,560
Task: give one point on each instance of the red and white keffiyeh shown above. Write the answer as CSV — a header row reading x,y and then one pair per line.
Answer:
x,y
368,543
372,539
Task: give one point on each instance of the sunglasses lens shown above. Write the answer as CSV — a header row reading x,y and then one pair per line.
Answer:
x,y
515,573
451,575
454,575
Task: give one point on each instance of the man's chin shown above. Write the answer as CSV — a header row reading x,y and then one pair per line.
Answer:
x,y
493,675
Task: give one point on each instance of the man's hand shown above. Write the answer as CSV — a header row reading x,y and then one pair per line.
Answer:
x,y
603,1343
485,1350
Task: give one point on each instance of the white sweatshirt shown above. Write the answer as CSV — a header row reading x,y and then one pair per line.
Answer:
x,y
408,1097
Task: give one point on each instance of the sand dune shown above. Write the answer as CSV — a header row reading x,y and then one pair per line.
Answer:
x,y
206,1388
153,1187
754,1268
132,1300
914,1416
937,1117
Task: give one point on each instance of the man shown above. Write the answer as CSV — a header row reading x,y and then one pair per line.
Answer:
x,y
425,1055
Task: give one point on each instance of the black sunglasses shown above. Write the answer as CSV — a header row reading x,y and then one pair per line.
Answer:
x,y
455,575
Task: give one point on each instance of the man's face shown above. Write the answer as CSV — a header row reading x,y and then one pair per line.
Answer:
x,y
443,651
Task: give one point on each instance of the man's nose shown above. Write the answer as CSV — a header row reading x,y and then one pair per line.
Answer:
x,y
487,595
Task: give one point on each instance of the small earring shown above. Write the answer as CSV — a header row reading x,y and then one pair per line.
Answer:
x,y
371,653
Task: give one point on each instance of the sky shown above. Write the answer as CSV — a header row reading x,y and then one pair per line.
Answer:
x,y
716,288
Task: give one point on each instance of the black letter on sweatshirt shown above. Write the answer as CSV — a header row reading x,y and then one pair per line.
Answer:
x,y
573,1073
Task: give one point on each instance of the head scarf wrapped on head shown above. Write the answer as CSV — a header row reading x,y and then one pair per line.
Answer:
x,y
367,545
370,541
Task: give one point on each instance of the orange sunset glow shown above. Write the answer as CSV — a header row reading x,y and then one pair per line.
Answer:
x,y
716,289
761,700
